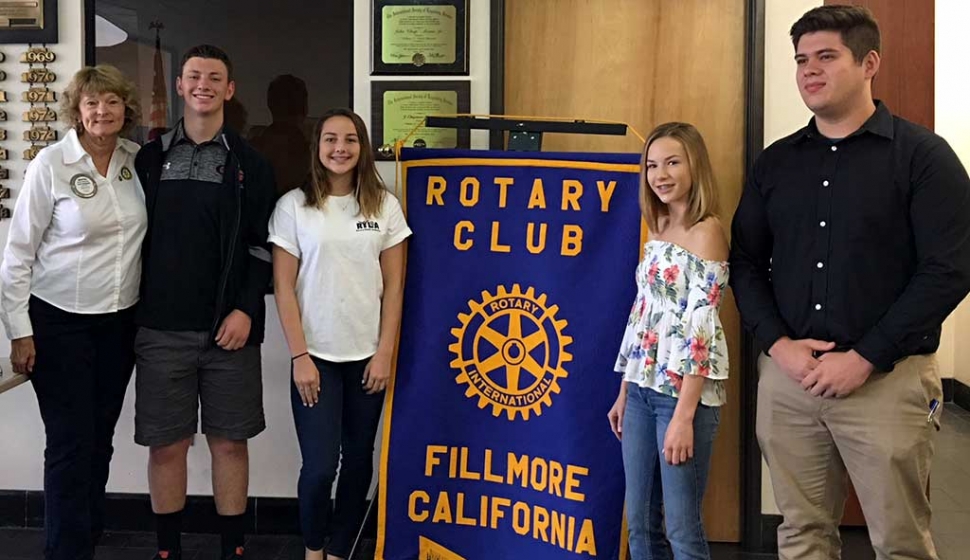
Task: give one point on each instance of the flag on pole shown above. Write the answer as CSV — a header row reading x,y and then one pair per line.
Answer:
x,y
158,118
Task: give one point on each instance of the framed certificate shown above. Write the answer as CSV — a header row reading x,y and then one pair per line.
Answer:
x,y
23,21
420,37
398,107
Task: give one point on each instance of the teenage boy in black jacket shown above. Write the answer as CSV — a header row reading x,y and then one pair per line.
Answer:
x,y
201,316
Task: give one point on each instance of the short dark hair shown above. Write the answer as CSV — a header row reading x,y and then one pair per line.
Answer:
x,y
856,25
207,51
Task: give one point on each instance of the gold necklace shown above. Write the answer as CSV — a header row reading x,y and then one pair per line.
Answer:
x,y
344,206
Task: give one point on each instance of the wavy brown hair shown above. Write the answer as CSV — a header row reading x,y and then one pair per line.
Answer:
x,y
370,189
702,200
95,80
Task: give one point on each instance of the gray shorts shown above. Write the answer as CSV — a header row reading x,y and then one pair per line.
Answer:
x,y
175,371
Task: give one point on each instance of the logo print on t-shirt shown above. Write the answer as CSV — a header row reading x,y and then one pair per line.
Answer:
x,y
367,225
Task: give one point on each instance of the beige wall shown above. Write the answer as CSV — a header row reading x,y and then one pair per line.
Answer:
x,y
784,111
784,114
953,123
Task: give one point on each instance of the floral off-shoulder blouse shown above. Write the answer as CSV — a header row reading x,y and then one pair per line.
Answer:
x,y
674,329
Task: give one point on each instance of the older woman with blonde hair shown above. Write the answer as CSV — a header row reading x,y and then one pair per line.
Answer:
x,y
69,278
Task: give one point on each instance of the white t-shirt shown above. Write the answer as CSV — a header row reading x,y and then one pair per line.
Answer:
x,y
339,282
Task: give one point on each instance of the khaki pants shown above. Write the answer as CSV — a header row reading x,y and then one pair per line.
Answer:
x,y
879,435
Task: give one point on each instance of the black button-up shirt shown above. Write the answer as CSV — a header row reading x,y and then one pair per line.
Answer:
x,y
864,241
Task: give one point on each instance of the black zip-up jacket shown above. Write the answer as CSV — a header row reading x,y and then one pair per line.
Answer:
x,y
244,215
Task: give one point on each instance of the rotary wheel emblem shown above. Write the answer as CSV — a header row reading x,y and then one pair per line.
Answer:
x,y
510,350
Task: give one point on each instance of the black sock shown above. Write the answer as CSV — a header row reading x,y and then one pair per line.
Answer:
x,y
168,529
232,532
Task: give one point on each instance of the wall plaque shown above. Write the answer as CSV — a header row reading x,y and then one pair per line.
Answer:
x,y
31,152
39,95
38,55
40,114
28,21
398,107
38,76
40,134
420,37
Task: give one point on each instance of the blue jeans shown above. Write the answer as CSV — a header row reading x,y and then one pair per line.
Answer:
x,y
340,427
658,494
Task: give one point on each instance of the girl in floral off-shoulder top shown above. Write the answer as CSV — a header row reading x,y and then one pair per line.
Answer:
x,y
674,357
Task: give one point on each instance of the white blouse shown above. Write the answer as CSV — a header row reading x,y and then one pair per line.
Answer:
x,y
75,237
674,329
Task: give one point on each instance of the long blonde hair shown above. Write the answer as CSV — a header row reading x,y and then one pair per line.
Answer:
x,y
370,190
702,200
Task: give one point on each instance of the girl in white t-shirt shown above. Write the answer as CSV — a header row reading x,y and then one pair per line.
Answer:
x,y
338,268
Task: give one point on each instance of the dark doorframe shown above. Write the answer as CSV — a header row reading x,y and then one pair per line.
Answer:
x,y
89,33
497,70
752,523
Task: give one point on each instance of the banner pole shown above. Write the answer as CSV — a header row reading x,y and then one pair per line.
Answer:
x,y
363,523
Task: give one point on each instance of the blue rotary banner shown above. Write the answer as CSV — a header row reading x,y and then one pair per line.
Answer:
x,y
519,283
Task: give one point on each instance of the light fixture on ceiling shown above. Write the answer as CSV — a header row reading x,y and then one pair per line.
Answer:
x,y
107,34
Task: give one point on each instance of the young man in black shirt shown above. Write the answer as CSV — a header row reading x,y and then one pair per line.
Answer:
x,y
851,245
201,315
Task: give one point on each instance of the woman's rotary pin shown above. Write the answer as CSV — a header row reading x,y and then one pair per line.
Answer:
x,y
84,186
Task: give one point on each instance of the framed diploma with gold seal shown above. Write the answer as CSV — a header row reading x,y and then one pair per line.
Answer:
x,y
420,37
28,21
398,107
